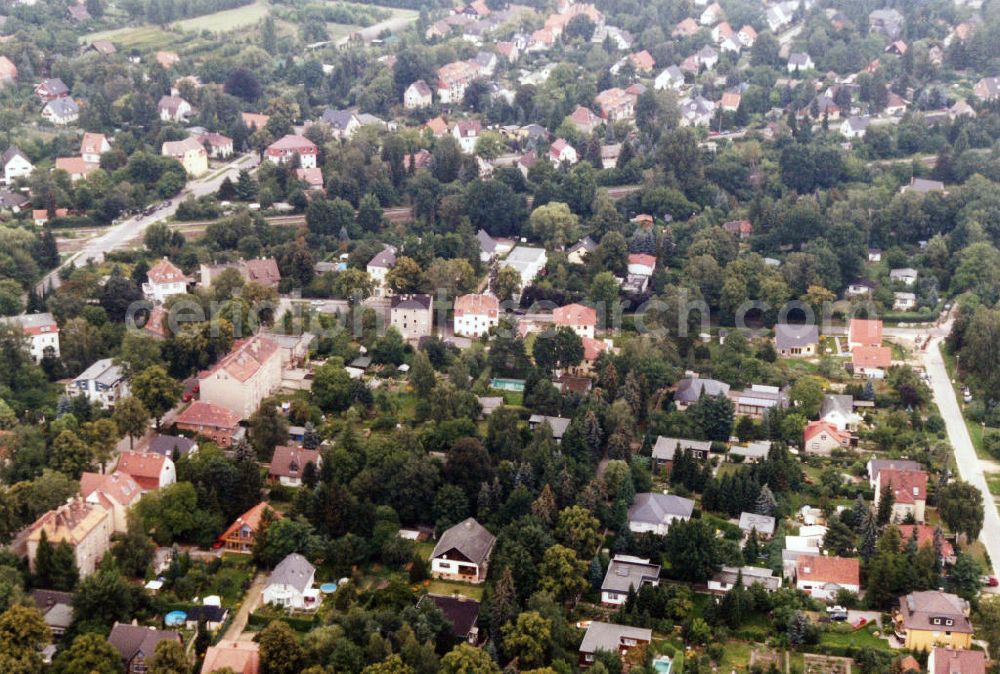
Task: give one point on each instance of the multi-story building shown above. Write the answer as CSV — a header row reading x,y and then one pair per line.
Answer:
x,y
42,333
475,315
86,527
103,383
282,150
412,315
244,377
163,281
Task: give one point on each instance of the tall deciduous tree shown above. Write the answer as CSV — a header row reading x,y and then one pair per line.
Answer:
x,y
157,391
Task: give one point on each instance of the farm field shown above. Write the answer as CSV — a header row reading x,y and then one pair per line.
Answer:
x,y
226,20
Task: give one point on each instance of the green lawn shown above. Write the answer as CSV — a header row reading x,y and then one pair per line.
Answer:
x,y
446,588
141,37
862,638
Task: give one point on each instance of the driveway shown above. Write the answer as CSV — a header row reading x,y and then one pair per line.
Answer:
x,y
250,603
969,467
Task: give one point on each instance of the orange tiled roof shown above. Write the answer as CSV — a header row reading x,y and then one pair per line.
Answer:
x,y
477,304
574,314
823,569
246,358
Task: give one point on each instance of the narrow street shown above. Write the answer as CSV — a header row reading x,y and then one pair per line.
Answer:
x,y
969,466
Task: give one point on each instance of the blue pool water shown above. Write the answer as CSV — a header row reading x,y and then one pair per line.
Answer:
x,y
175,618
328,588
662,664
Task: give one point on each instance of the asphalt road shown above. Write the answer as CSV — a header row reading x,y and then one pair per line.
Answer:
x,y
131,229
969,467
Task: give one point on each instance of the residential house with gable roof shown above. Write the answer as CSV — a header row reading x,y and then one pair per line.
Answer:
x,y
823,577
463,552
956,661
625,574
240,657
288,464
150,470
137,643
654,513
164,280
909,492
15,164
933,618
241,534
190,153
116,491
85,526
214,422
475,315
290,585
611,638
42,332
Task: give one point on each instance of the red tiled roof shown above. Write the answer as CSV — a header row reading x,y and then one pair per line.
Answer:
x,y
75,165
262,270
819,568
292,143
592,348
955,661
144,468
871,356
246,358
201,413
643,259
250,518
737,226
574,314
241,657
814,428
908,486
438,126
310,176
477,304
166,271
865,331
92,143
925,536
154,324
643,60
118,485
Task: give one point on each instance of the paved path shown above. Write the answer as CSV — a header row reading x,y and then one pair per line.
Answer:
x,y
969,466
250,603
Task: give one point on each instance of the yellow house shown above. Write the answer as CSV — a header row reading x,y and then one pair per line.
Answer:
x,y
190,153
928,619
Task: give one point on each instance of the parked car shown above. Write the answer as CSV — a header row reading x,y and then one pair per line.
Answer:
x,y
989,581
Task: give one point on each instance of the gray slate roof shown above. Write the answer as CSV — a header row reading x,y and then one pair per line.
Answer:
x,y
665,448
557,424
294,571
690,389
131,640
608,637
103,371
788,336
625,573
164,445
763,524
751,575
651,508
469,538
836,402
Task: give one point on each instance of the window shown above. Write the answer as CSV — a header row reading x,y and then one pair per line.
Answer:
x,y
936,621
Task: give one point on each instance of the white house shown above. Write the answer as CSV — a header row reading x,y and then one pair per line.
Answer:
x,y
903,301
42,331
823,577
463,552
164,279
726,579
855,127
466,132
671,78
93,146
103,382
906,275
562,153
417,95
800,61
151,471
627,573
378,268
173,109
641,264
290,585
652,512
475,315
15,165
838,411
61,111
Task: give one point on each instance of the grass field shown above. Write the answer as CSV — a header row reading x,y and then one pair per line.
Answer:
x,y
141,37
227,20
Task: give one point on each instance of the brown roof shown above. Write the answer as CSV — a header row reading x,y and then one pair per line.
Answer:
x,y
246,358
643,60
477,304
592,348
167,58
165,271
145,468
262,270
7,68
201,413
291,461
818,568
919,610
155,323
956,661
438,126
814,428
253,119
133,640
574,314
243,657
